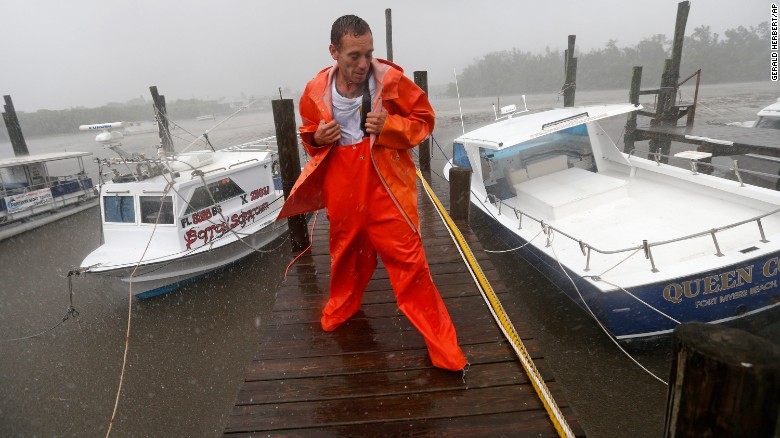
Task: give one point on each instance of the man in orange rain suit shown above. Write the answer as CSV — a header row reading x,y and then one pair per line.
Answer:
x,y
362,172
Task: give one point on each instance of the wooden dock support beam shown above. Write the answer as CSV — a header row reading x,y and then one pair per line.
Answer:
x,y
421,79
161,114
724,382
633,97
666,112
460,193
389,33
14,128
290,166
570,65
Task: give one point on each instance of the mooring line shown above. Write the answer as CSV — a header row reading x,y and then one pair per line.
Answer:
x,y
593,315
497,310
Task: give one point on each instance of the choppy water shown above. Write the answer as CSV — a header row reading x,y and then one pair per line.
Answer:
x,y
190,348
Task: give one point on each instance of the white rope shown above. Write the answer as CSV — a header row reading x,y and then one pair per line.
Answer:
x,y
514,249
609,335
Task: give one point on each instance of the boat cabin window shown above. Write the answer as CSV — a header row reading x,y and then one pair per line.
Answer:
x,y
152,205
504,168
119,209
459,157
768,123
221,190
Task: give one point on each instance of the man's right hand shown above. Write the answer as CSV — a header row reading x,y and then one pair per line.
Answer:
x,y
327,133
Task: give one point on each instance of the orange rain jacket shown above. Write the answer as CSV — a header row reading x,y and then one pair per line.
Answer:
x,y
409,121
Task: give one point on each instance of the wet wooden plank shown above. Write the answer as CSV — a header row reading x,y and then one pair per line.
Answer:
x,y
296,367
525,423
381,409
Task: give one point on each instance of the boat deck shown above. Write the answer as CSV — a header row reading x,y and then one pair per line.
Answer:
x,y
638,209
372,376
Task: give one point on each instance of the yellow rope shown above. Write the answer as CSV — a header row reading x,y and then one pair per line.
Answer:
x,y
559,422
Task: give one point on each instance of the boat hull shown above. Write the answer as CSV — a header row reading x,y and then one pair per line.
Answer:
x,y
714,296
152,279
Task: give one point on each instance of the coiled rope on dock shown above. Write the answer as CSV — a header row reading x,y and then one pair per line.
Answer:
x,y
497,310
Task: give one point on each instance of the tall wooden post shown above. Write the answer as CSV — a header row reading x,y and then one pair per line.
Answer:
x,y
289,165
665,111
724,382
633,97
161,114
460,193
389,33
571,74
421,79
14,128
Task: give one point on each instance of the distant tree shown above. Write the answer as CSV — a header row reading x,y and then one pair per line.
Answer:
x,y
739,56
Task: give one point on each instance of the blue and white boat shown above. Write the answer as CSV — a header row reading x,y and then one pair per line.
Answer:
x,y
39,189
642,245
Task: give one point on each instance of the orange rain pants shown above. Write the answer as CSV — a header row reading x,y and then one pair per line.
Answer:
x,y
364,222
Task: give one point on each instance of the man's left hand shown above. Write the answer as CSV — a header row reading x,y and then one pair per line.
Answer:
x,y
376,121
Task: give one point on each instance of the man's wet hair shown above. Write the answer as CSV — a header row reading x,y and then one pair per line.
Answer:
x,y
347,24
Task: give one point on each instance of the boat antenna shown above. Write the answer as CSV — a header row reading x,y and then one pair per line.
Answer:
x,y
462,127
280,93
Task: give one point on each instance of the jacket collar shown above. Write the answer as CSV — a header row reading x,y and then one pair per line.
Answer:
x,y
386,73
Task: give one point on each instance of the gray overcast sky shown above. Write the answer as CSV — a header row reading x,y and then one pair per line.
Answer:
x,y
60,54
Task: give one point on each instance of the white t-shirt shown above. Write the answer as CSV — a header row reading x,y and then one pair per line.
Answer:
x,y
346,112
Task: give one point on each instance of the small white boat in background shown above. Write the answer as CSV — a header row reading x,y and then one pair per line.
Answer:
x,y
642,245
768,118
39,189
180,218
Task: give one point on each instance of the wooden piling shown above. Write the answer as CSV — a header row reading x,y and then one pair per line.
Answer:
x,y
389,33
666,111
289,165
14,128
161,114
633,97
421,79
724,382
460,193
570,85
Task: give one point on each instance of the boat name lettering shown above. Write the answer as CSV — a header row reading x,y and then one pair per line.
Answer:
x,y
772,284
219,229
255,194
675,292
725,281
201,216
259,193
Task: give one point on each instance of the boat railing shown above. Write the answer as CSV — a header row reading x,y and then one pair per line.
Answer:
x,y
646,246
51,182
696,163
242,162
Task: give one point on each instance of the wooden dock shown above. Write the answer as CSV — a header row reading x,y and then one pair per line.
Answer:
x,y
372,376
720,140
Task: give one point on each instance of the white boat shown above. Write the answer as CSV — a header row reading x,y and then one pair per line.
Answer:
x,y
174,220
768,118
642,245
39,189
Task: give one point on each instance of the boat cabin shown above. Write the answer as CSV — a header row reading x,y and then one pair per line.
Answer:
x,y
35,184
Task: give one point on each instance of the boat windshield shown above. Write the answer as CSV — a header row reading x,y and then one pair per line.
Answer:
x,y
154,206
503,169
214,193
119,209
768,123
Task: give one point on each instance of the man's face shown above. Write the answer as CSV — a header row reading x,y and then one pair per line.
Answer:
x,y
354,57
